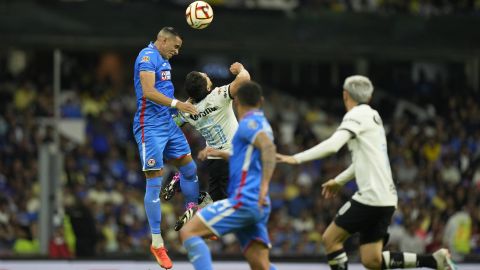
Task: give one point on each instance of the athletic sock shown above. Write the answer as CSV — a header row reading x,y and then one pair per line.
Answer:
x,y
403,260
189,183
338,260
152,203
198,253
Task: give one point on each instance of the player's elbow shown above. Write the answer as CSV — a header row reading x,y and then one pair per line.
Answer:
x,y
334,149
147,93
269,148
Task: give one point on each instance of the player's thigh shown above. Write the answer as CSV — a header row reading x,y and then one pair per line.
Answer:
x,y
177,149
257,256
194,227
334,236
151,145
371,254
256,232
226,216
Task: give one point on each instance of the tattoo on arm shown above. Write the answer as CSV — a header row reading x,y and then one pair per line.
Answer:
x,y
268,152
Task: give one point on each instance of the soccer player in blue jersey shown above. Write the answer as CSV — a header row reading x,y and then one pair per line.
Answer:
x,y
156,133
246,210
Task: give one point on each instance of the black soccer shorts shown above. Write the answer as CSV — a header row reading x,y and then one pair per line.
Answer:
x,y
218,178
371,222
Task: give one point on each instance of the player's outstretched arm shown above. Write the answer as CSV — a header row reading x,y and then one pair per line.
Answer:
x,y
323,149
242,76
268,152
147,79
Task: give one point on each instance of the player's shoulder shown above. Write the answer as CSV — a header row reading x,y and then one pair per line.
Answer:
x,y
220,90
252,122
149,54
361,110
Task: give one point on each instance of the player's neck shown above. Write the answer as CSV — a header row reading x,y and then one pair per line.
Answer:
x,y
350,104
157,45
243,111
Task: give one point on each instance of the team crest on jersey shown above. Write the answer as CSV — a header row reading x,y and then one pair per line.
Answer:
x,y
151,162
252,124
165,75
145,59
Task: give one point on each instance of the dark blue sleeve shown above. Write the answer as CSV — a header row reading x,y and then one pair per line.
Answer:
x,y
248,129
148,62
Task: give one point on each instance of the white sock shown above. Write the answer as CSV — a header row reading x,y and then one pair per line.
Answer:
x,y
157,240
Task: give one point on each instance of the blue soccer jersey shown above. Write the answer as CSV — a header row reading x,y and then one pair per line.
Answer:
x,y
148,112
240,213
245,162
156,133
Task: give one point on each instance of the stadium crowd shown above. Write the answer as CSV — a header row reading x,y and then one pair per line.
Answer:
x,y
435,161
415,7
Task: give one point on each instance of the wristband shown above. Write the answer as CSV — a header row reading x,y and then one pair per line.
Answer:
x,y
174,103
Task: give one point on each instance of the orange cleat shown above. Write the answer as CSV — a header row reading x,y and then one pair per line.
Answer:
x,y
162,257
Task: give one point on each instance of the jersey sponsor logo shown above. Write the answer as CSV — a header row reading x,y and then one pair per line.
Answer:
x,y
148,52
151,162
165,75
252,124
204,113
145,59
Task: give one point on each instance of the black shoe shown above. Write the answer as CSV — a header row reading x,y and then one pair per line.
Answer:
x,y
171,188
204,199
191,210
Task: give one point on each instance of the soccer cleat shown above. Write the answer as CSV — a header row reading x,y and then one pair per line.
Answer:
x,y
171,188
204,199
189,213
444,262
162,257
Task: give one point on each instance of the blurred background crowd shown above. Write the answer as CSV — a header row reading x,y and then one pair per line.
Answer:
x,y
416,7
434,146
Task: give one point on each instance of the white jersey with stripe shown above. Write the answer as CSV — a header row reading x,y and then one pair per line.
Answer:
x,y
216,120
370,158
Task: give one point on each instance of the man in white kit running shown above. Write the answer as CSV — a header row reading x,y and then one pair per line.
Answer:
x,y
370,209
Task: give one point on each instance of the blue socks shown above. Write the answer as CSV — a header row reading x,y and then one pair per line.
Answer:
x,y
198,253
152,203
189,183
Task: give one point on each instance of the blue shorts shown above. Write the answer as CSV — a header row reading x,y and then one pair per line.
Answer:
x,y
249,223
156,144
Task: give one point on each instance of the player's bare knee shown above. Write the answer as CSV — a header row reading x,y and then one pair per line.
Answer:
x,y
328,241
259,264
154,173
372,263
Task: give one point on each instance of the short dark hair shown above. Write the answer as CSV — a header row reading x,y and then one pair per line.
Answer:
x,y
196,86
250,94
170,30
